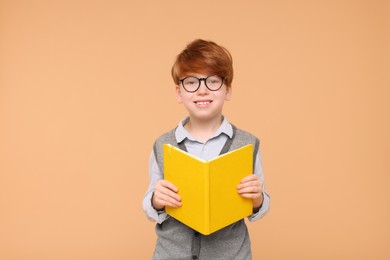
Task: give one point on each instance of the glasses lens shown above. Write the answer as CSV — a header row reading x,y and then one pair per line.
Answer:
x,y
214,82
191,84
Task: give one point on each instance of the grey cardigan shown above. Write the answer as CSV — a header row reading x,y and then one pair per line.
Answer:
x,y
177,241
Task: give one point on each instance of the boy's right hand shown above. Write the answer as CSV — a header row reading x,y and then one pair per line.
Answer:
x,y
165,194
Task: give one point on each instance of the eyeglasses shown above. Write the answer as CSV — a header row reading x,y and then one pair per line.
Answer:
x,y
192,84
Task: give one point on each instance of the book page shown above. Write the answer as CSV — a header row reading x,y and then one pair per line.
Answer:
x,y
189,175
227,206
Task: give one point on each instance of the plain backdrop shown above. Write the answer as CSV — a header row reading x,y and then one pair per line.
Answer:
x,y
85,89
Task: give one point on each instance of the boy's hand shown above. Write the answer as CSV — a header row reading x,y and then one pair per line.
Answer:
x,y
165,194
250,187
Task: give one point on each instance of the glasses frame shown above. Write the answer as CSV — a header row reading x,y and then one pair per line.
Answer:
x,y
200,82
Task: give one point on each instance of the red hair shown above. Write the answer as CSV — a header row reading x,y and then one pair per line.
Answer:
x,y
203,57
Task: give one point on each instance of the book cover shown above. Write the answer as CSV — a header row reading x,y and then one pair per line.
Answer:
x,y
208,188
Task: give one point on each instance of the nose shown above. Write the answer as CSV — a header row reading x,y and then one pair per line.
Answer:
x,y
202,88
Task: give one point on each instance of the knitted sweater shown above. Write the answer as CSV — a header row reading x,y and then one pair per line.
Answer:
x,y
176,241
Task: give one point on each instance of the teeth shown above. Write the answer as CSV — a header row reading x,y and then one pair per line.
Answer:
x,y
202,103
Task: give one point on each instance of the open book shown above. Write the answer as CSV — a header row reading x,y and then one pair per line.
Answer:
x,y
208,189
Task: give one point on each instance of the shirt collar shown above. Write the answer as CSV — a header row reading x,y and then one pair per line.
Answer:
x,y
181,133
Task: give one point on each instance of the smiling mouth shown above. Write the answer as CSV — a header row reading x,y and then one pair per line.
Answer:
x,y
203,102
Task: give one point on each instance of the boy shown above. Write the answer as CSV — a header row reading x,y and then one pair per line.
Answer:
x,y
203,73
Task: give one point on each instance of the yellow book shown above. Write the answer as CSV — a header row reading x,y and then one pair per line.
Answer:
x,y
208,189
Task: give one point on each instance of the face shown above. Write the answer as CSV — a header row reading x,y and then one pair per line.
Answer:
x,y
203,104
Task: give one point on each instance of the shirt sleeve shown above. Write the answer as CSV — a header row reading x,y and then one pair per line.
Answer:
x,y
154,175
266,198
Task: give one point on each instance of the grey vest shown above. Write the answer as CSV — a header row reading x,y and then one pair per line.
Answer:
x,y
176,241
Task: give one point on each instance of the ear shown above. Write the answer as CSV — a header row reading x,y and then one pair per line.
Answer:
x,y
228,94
178,94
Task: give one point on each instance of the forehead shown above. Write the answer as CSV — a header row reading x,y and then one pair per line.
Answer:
x,y
197,75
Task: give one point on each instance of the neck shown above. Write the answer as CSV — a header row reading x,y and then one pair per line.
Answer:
x,y
203,129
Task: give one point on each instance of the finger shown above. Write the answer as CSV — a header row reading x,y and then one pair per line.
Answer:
x,y
166,194
256,183
167,200
169,185
250,190
251,177
251,195
167,188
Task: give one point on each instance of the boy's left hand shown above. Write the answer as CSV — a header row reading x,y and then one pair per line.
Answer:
x,y
251,187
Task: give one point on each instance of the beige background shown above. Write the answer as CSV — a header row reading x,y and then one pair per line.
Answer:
x,y
85,89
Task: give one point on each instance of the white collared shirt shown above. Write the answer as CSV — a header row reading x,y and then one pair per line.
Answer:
x,y
206,151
